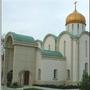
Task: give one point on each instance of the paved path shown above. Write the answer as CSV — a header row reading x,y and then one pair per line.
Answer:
x,y
5,88
43,88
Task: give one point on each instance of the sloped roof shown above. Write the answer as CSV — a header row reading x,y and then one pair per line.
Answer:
x,y
51,54
21,38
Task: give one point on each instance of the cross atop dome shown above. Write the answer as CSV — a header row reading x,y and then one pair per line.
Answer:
x,y
75,4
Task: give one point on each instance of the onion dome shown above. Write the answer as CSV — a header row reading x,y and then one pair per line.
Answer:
x,y
75,17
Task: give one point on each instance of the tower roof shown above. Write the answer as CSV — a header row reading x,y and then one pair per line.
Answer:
x,y
75,17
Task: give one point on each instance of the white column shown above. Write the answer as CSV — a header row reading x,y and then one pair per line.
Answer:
x,y
5,67
75,60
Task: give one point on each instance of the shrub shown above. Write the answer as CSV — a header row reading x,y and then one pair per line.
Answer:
x,y
59,86
15,85
85,83
8,84
32,89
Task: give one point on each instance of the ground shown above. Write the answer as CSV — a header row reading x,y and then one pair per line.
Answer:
x,y
5,88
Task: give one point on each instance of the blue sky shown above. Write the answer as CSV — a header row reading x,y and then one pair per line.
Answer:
x,y
37,18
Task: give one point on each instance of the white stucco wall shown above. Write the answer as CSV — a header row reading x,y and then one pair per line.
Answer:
x,y
38,62
24,59
75,60
83,59
65,37
10,60
47,66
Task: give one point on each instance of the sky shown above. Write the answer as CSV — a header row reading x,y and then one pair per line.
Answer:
x,y
37,18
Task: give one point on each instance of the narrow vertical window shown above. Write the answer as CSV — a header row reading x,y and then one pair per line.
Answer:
x,y
64,48
86,67
49,47
72,28
85,48
68,74
78,28
82,27
39,74
55,74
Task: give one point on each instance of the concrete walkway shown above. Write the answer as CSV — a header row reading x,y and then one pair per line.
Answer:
x,y
6,88
43,88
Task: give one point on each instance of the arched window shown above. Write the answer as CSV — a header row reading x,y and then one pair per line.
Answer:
x,y
49,47
68,74
64,48
68,27
85,48
55,74
78,28
39,74
86,67
72,28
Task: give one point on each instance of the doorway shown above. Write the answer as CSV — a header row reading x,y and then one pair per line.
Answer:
x,y
26,77
9,77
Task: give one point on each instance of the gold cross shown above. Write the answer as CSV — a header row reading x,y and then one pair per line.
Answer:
x,y
75,4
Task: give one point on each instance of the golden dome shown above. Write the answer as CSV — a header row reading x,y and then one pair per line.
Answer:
x,y
75,17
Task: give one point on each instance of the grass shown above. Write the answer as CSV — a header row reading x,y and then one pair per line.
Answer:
x,y
60,86
32,89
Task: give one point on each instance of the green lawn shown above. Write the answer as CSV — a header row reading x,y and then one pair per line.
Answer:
x,y
32,89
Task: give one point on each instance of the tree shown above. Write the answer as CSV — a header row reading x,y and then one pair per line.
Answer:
x,y
85,83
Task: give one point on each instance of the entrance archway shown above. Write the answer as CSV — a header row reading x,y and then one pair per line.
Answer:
x,y
9,77
26,77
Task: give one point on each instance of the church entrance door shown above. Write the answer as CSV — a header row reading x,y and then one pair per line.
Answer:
x,y
26,77
9,77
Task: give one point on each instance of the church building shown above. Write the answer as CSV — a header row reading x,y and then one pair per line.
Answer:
x,y
55,60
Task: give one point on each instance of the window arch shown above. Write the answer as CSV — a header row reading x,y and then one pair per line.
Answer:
x,y
49,47
64,48
39,74
55,72
72,26
85,48
78,28
86,67
68,74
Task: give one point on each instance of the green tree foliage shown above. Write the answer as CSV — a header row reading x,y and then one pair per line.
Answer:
x,y
85,83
